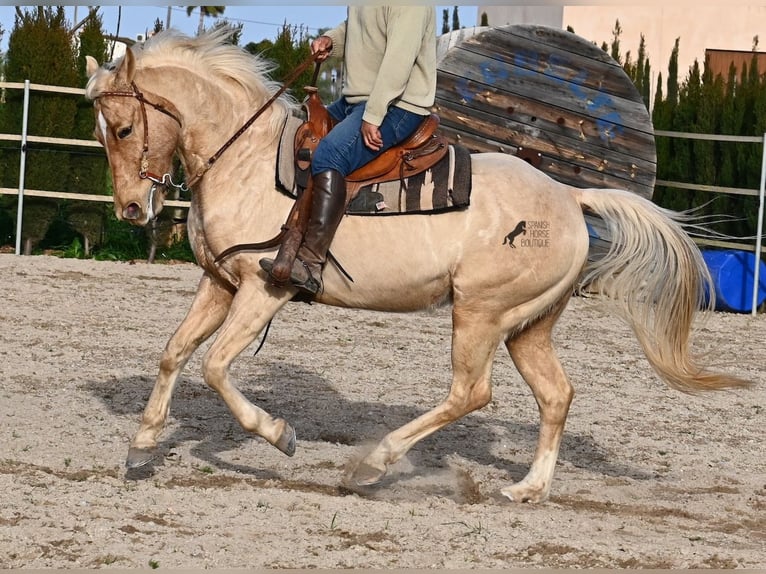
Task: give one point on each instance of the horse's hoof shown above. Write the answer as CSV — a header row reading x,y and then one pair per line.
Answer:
x,y
367,475
286,442
522,493
138,457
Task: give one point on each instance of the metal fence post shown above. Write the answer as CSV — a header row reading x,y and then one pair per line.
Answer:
x,y
22,167
759,231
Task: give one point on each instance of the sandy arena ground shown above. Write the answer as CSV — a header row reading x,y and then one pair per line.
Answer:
x,y
647,477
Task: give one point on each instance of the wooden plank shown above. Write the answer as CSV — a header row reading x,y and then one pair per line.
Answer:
x,y
576,152
44,88
558,169
725,244
512,119
710,188
530,57
553,92
81,196
608,112
577,172
49,140
540,117
546,37
711,137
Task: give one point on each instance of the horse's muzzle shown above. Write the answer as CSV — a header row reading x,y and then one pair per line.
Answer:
x,y
136,213
132,212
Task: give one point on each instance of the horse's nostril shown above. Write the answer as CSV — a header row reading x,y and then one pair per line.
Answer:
x,y
131,212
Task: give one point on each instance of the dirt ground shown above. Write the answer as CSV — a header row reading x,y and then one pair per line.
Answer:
x,y
647,477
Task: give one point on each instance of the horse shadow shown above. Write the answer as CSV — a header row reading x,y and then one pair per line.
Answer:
x,y
308,401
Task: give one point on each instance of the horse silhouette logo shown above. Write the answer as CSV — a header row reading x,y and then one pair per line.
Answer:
x,y
520,229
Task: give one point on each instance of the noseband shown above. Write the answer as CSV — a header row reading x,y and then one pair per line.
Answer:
x,y
143,171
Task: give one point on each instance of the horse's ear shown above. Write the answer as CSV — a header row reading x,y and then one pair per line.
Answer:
x,y
91,65
127,69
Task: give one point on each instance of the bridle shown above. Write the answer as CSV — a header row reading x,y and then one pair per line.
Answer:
x,y
143,171
166,179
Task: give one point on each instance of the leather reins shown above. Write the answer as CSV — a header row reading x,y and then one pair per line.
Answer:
x,y
283,88
144,172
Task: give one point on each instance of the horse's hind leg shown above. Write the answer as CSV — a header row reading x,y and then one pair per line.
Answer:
x,y
474,341
207,312
534,357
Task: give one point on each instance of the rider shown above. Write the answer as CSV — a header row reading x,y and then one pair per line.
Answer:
x,y
389,56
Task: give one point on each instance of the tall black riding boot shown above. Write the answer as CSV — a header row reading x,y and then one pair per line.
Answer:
x,y
327,204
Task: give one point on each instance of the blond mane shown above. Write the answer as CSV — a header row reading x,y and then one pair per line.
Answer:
x,y
212,56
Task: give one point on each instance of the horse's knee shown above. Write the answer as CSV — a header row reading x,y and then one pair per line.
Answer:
x,y
169,362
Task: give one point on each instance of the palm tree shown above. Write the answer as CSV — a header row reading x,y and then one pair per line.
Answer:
x,y
212,11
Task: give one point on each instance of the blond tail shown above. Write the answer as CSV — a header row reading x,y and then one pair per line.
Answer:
x,y
657,278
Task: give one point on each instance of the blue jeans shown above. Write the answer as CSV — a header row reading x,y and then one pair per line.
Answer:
x,y
343,148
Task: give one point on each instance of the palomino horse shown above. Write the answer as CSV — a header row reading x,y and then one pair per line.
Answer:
x,y
186,96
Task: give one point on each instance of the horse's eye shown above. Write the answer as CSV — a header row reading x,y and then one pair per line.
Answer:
x,y
125,132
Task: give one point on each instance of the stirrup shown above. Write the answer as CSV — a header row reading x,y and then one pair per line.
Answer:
x,y
309,285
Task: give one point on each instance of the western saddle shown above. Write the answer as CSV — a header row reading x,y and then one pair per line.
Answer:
x,y
421,150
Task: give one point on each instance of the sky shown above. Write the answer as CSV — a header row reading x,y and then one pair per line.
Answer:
x,y
260,21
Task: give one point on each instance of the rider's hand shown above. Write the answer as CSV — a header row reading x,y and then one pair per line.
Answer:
x,y
320,48
371,135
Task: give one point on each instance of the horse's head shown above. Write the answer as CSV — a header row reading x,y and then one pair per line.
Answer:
x,y
139,131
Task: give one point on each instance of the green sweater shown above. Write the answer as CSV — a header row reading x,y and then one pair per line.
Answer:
x,y
389,57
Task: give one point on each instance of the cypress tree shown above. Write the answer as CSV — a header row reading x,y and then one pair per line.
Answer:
x,y
672,96
89,170
287,52
6,217
641,79
706,104
445,21
629,67
455,19
646,92
707,108
759,117
711,116
727,154
88,167
614,50
750,155
680,160
759,108
727,172
664,118
50,114
661,121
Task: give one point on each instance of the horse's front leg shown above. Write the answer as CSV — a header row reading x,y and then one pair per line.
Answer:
x,y
253,306
207,312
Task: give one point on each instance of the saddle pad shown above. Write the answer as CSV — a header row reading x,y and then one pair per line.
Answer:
x,y
444,187
285,174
